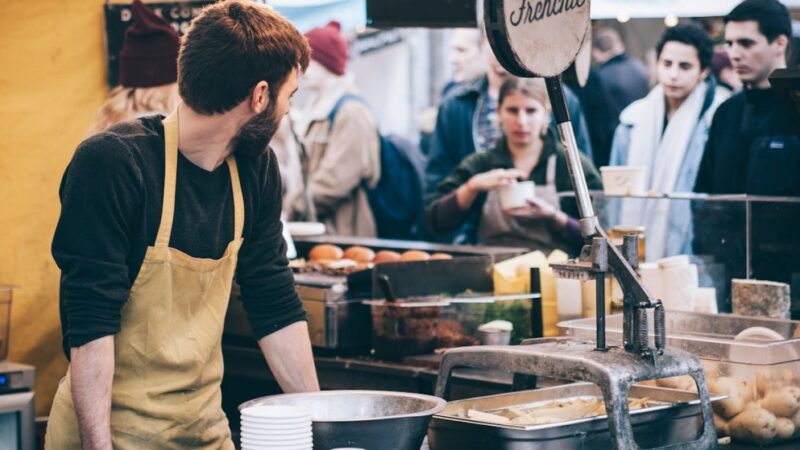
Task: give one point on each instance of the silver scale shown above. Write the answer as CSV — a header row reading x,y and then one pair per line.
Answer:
x,y
544,42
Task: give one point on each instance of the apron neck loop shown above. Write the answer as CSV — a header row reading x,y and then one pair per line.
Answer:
x,y
171,128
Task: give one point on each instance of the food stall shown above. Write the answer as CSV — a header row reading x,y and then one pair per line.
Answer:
x,y
647,377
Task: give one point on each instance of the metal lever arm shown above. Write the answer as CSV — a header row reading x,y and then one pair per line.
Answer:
x,y
589,223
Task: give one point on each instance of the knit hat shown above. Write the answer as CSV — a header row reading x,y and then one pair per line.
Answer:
x,y
329,47
150,50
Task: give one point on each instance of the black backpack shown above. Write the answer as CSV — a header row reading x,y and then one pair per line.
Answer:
x,y
397,201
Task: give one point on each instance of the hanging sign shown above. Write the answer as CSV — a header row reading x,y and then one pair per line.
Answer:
x,y
536,37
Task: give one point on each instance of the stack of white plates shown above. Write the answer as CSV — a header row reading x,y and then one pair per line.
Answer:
x,y
276,427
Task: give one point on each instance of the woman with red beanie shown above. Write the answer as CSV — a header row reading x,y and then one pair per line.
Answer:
x,y
340,149
148,71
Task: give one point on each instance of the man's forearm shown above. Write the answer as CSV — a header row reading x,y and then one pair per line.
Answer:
x,y
288,353
91,376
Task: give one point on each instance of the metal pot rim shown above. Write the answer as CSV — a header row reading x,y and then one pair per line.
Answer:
x,y
439,403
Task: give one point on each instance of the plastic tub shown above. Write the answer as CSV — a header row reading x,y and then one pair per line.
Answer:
x,y
760,376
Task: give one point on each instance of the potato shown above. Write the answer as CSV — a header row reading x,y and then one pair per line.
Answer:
x,y
721,425
785,428
736,392
755,425
763,382
796,421
782,403
683,383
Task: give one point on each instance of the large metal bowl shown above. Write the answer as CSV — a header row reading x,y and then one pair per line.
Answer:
x,y
373,420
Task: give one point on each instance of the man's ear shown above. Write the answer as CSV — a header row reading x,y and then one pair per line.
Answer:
x,y
782,41
259,98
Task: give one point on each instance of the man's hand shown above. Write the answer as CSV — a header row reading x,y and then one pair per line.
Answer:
x,y
91,376
288,353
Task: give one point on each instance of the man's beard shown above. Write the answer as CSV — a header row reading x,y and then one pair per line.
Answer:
x,y
252,138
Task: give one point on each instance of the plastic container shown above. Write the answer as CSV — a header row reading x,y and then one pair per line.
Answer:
x,y
6,295
408,328
400,330
624,180
760,376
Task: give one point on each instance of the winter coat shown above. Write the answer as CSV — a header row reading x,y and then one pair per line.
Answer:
x,y
340,161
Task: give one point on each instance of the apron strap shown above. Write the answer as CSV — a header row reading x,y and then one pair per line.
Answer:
x,y
551,170
238,198
170,173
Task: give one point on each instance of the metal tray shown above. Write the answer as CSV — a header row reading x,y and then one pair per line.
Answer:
x,y
677,420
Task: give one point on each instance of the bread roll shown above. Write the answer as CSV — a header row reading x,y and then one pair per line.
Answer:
x,y
325,252
359,254
415,255
386,256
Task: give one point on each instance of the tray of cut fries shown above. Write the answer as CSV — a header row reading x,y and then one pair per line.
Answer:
x,y
570,416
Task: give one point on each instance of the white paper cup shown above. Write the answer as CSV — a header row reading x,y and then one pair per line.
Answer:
x,y
516,195
705,300
624,180
679,284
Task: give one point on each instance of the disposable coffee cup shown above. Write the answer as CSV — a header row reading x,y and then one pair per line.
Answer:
x,y
624,180
516,195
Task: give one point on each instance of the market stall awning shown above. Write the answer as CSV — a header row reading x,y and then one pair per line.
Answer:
x,y
644,9
307,14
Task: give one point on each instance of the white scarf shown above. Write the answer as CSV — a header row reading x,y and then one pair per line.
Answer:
x,y
663,157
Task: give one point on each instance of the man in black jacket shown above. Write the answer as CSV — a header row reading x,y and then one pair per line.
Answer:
x,y
753,148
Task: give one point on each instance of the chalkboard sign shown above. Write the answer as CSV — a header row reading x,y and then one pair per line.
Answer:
x,y
119,17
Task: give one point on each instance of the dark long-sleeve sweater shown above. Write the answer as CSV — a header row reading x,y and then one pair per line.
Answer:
x,y
753,147
111,196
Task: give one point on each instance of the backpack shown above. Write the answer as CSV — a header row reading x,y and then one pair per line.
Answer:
x,y
397,201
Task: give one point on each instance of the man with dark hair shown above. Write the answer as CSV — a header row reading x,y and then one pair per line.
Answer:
x,y
625,78
156,219
753,148
666,132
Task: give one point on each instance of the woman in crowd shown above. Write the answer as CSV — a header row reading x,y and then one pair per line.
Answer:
x,y
528,150
148,71
666,133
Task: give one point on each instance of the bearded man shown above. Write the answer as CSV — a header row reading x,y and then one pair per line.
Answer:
x,y
158,215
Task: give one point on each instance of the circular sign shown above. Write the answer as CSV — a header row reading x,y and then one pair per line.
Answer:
x,y
536,38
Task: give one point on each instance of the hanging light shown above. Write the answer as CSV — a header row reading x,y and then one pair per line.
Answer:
x,y
671,20
623,17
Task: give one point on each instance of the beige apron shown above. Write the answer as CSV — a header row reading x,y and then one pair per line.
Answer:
x,y
168,354
497,229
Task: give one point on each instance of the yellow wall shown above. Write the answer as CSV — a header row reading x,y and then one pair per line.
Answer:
x,y
51,83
